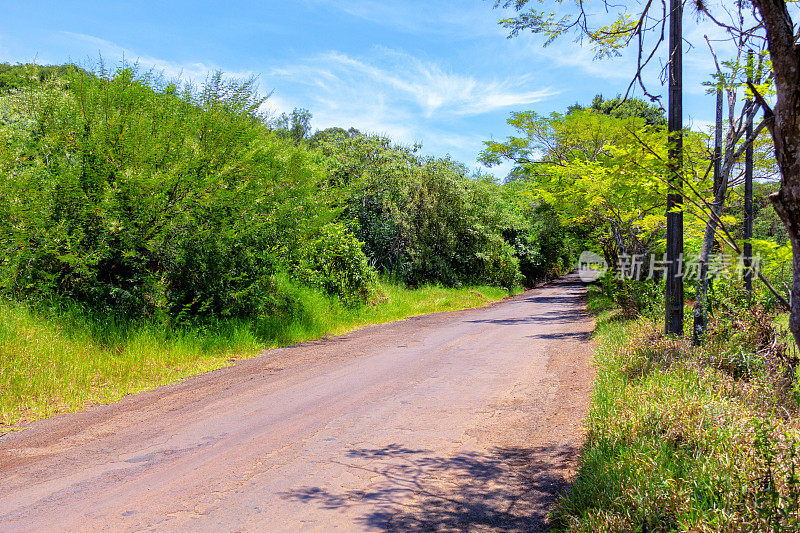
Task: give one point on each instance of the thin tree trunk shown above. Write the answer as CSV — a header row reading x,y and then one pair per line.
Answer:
x,y
748,191
701,299
673,296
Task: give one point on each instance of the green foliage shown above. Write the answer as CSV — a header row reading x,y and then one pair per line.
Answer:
x,y
134,197
595,170
546,249
296,126
334,262
425,219
137,196
652,114
17,77
767,225
636,298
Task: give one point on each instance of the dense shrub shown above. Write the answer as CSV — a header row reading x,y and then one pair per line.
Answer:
x,y
425,219
128,194
134,195
546,249
334,262
636,297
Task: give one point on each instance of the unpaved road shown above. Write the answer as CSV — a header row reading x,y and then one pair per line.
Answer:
x,y
455,421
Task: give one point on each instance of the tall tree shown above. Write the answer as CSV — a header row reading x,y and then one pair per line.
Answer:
x,y
619,107
701,294
775,24
673,306
748,189
595,170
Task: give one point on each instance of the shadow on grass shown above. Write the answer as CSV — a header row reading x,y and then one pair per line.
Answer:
x,y
505,489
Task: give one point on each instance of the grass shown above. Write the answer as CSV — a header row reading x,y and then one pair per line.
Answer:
x,y
56,361
676,443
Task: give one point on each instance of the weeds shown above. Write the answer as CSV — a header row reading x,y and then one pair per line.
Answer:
x,y
775,500
689,439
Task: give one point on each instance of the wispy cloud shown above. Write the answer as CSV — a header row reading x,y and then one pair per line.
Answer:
x,y
704,126
569,54
404,80
195,72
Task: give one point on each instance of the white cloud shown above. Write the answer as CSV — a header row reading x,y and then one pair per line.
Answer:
x,y
704,126
570,54
195,72
275,105
403,97
500,171
406,80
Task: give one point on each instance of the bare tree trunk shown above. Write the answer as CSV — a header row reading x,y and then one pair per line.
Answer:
x,y
748,191
785,130
673,305
701,299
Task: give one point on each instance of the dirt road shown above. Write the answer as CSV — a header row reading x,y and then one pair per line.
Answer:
x,y
454,421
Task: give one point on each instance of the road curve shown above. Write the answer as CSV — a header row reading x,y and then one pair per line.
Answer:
x,y
453,421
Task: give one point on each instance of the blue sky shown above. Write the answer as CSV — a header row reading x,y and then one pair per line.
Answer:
x,y
441,73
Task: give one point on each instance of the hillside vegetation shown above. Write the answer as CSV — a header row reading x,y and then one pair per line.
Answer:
x,y
683,438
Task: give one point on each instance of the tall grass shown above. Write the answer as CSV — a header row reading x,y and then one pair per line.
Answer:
x,y
675,442
60,358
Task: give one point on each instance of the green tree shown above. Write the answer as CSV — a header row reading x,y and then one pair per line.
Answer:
x,y
774,29
422,219
596,170
296,126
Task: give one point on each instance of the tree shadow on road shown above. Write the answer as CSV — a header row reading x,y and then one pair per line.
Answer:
x,y
505,489
549,317
582,336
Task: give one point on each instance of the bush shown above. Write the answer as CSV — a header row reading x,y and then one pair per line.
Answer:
x,y
134,197
335,262
544,247
635,298
742,338
427,220
638,297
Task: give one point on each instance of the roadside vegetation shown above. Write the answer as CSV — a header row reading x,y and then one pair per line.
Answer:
x,y
683,438
63,358
152,229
